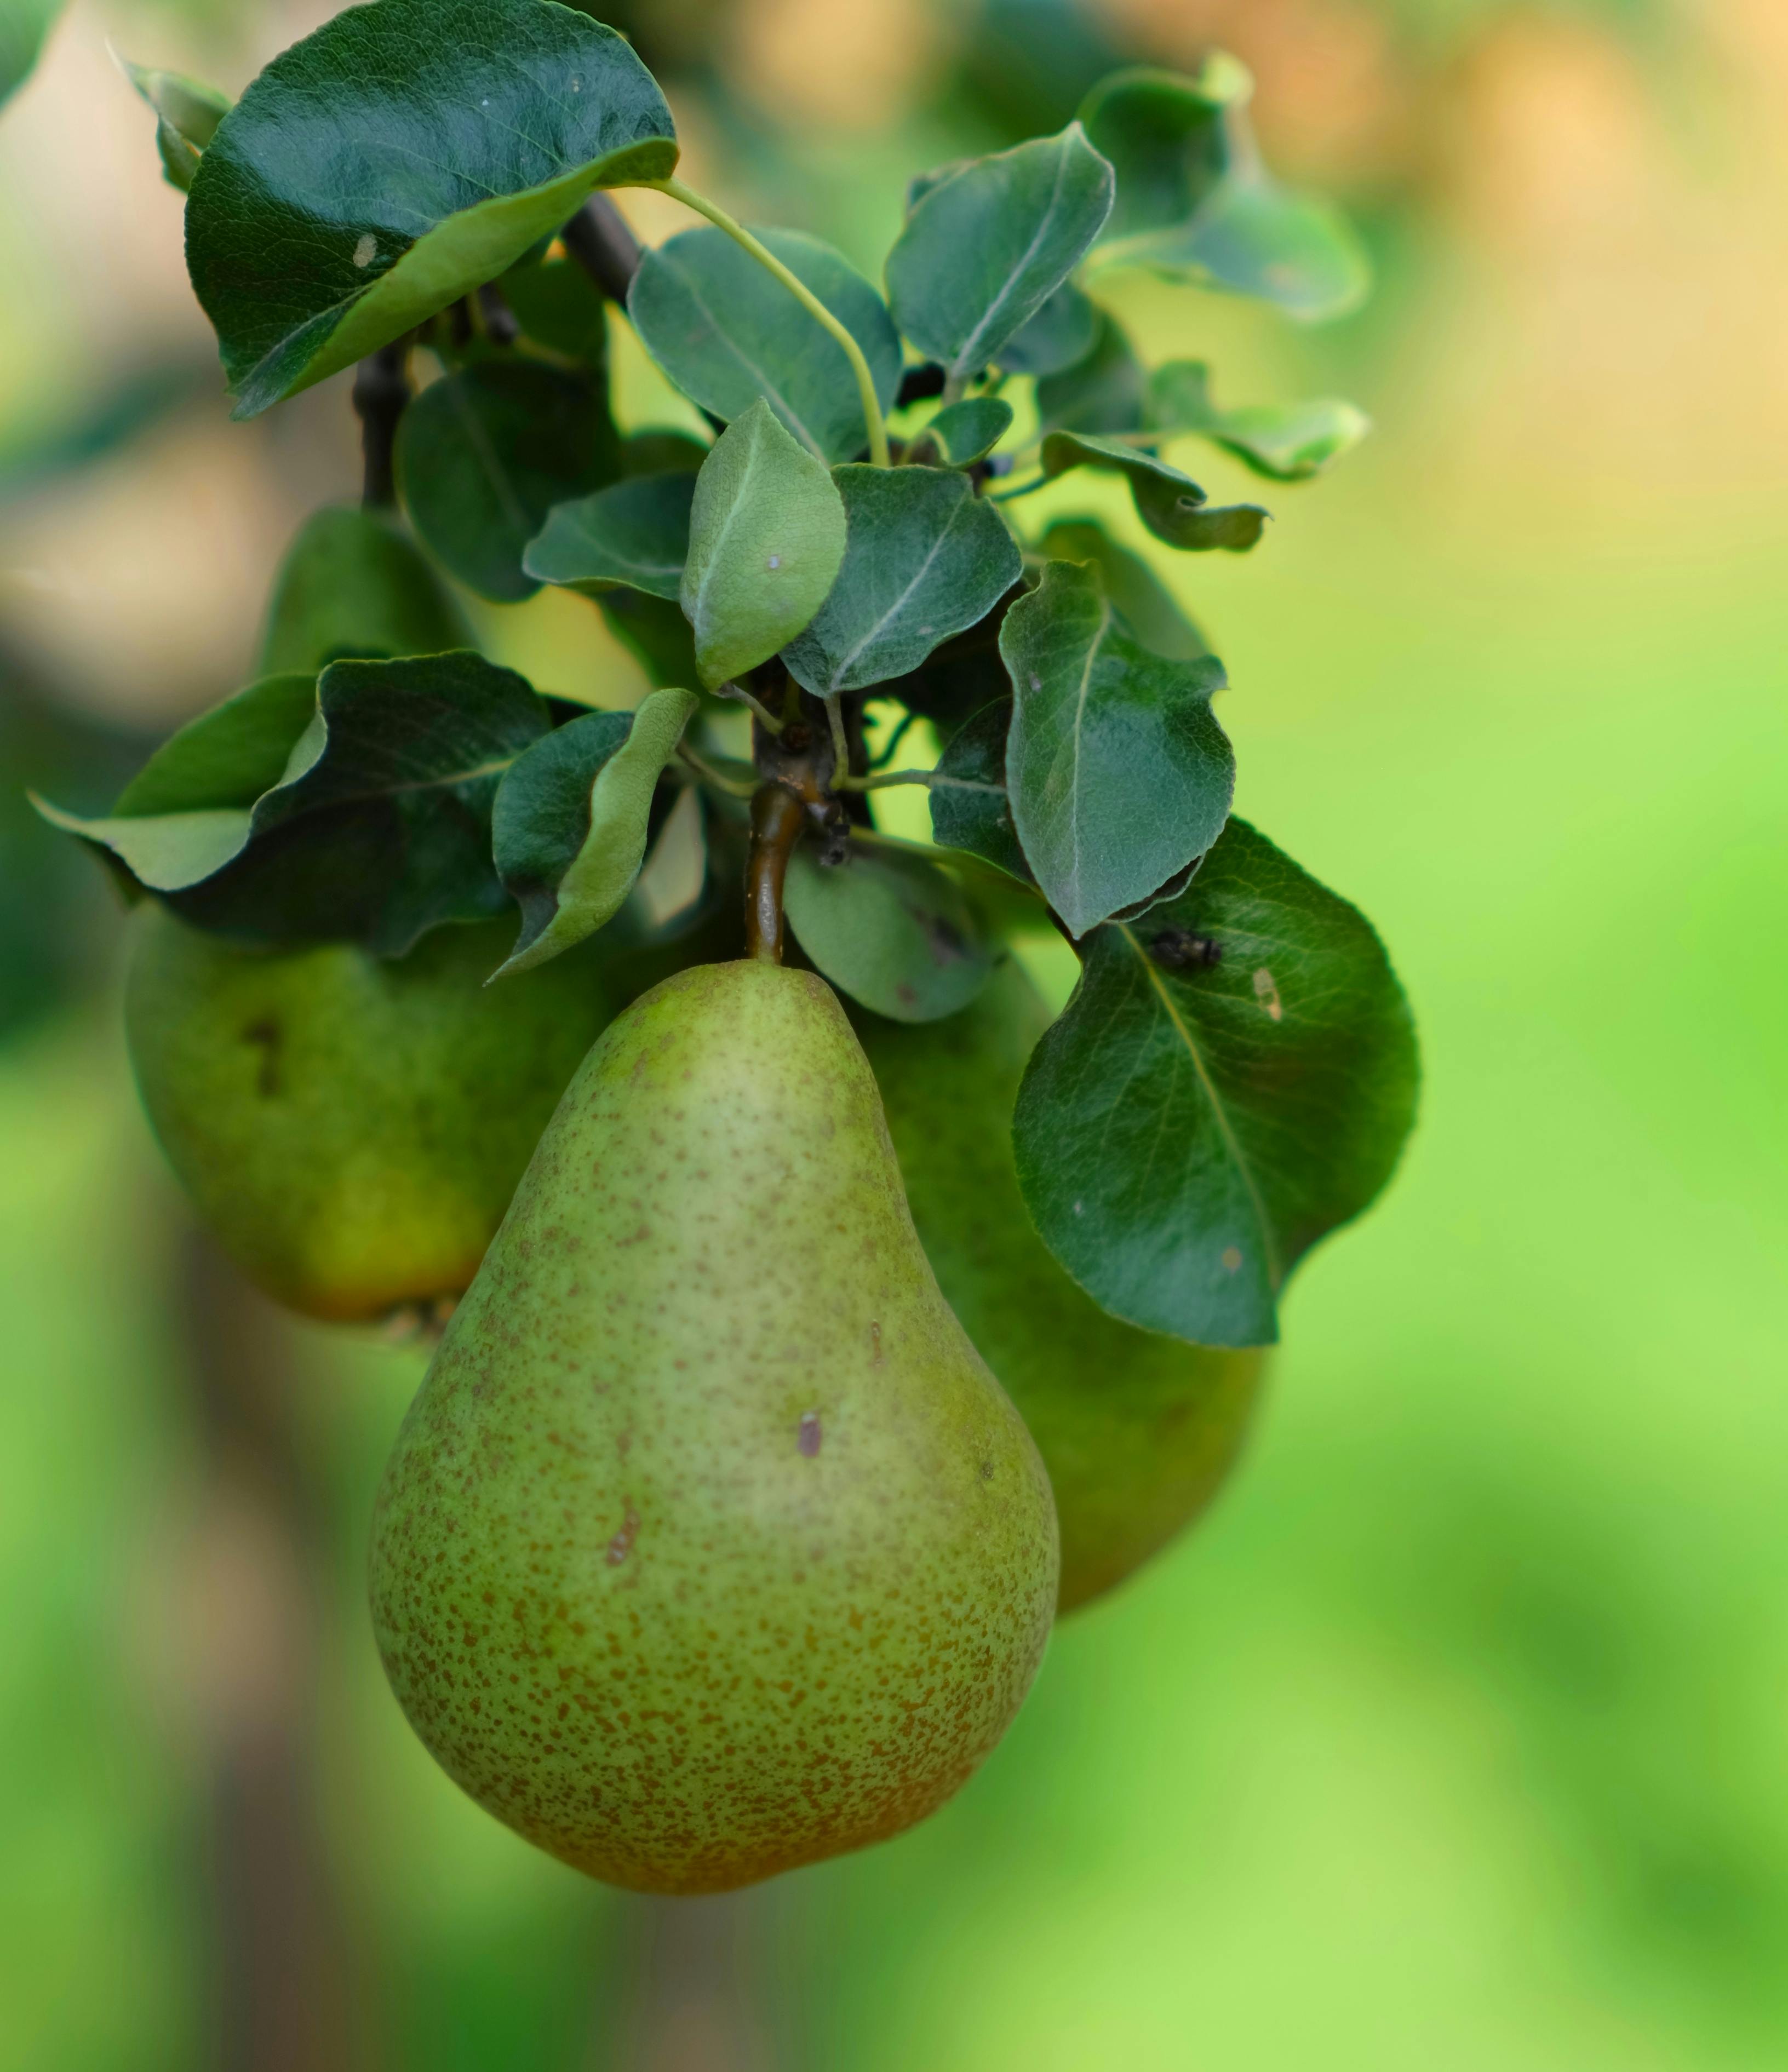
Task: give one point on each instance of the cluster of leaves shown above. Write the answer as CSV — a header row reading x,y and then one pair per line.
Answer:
x,y
1235,1072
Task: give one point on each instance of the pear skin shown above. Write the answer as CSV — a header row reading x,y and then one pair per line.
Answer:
x,y
1138,1431
352,1128
710,1546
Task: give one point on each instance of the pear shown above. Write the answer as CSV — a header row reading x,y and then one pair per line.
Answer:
x,y
1137,1431
353,583
710,1546
352,1128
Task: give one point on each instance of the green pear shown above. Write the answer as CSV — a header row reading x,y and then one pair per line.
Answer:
x,y
352,1128
354,584
1137,1431
710,1546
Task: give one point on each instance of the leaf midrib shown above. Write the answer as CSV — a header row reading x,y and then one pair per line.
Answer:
x,y
1226,1128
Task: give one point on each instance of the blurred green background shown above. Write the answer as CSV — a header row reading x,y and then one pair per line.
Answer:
x,y
1459,1736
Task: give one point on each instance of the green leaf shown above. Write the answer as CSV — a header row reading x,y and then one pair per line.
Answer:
x,y
726,331
558,306
960,677
893,930
924,558
984,250
1103,392
226,757
657,450
185,814
23,26
1171,504
1119,772
1185,1133
1256,238
1142,599
767,536
395,160
654,632
1288,441
353,587
634,535
569,826
963,433
187,116
483,455
1167,137
970,809
1062,332
378,826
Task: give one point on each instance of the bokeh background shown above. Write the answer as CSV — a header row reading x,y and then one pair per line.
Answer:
x,y
1458,1736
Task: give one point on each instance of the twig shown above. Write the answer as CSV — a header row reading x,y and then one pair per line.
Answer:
x,y
735,786
598,237
381,394
777,819
766,717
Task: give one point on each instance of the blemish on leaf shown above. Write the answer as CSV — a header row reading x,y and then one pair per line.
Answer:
x,y
366,251
808,1440
875,1341
775,561
1268,993
1232,1259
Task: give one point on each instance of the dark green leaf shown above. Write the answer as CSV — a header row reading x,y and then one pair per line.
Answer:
x,y
969,806
1171,504
924,558
558,306
634,535
893,930
1119,772
1103,392
187,116
653,630
657,450
483,455
393,161
353,587
569,827
1063,331
1167,138
963,433
1142,599
726,331
1184,1133
1288,441
767,536
984,250
23,26
378,828
960,677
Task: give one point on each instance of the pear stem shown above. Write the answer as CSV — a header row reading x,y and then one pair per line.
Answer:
x,y
777,816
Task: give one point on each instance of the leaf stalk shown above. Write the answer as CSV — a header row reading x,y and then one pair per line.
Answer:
x,y
873,419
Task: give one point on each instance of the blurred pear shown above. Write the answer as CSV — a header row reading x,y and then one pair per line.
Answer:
x,y
1137,1431
351,1128
355,585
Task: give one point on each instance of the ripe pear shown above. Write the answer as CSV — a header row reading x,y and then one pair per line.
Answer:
x,y
1137,1431
710,1546
352,1128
